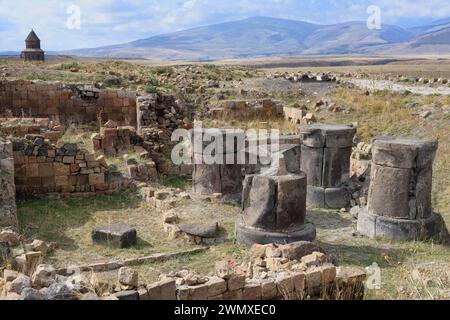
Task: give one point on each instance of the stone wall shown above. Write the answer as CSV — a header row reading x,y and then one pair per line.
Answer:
x,y
7,187
113,140
66,104
163,111
44,168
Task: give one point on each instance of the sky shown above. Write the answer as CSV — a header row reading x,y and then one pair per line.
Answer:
x,y
71,24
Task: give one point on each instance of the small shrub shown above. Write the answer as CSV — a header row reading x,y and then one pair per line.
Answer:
x,y
68,66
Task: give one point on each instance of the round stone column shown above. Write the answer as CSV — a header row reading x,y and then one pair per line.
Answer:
x,y
399,201
274,210
224,177
325,158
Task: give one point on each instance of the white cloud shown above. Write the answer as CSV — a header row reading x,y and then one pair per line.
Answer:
x,y
114,21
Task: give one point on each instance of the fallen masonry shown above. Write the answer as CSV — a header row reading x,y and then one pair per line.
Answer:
x,y
115,235
294,271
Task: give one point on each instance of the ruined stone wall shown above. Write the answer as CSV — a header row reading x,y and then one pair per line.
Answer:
x,y
163,111
66,103
43,168
20,127
7,187
113,140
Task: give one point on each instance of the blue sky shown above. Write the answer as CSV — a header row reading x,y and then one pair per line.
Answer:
x,y
105,22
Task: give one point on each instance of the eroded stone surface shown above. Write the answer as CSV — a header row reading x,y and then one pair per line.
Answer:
x,y
117,235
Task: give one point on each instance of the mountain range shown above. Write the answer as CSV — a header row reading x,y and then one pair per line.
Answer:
x,y
265,37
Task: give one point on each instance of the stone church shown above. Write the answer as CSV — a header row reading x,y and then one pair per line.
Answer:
x,y
33,51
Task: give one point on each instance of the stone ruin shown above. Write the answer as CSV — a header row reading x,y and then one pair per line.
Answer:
x,y
45,168
325,158
20,127
296,271
218,177
7,187
159,110
114,139
67,104
274,210
399,201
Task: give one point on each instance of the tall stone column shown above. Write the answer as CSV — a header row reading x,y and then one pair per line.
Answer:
x,y
8,216
399,201
325,158
274,210
224,177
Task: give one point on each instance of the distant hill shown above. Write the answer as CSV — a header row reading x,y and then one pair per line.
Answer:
x,y
263,37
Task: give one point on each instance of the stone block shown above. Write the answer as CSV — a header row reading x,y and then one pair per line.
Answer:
x,y
117,235
61,181
252,291
46,170
164,289
97,179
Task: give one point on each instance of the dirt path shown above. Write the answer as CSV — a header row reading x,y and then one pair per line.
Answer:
x,y
395,87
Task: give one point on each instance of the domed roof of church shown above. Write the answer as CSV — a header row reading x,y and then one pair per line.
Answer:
x,y
32,36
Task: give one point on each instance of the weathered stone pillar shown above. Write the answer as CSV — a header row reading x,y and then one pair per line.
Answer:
x,y
8,216
326,151
225,175
399,202
274,210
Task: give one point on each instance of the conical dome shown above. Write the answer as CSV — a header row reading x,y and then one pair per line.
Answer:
x,y
32,36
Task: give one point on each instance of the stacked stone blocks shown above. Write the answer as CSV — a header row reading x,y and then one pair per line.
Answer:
x,y
66,104
326,151
399,201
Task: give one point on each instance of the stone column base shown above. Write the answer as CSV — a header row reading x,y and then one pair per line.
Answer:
x,y
250,236
329,198
374,226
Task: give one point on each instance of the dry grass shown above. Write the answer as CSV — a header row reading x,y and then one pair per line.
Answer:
x,y
69,222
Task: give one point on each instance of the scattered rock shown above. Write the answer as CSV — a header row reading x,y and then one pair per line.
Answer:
x,y
200,230
127,295
19,284
30,294
128,278
116,235
297,250
44,276
60,291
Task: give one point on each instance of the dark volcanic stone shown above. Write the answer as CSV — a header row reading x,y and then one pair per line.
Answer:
x,y
127,295
30,294
200,230
116,235
60,291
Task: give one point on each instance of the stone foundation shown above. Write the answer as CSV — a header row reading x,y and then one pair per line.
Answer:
x,y
399,201
274,210
326,151
114,140
66,104
7,187
44,168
